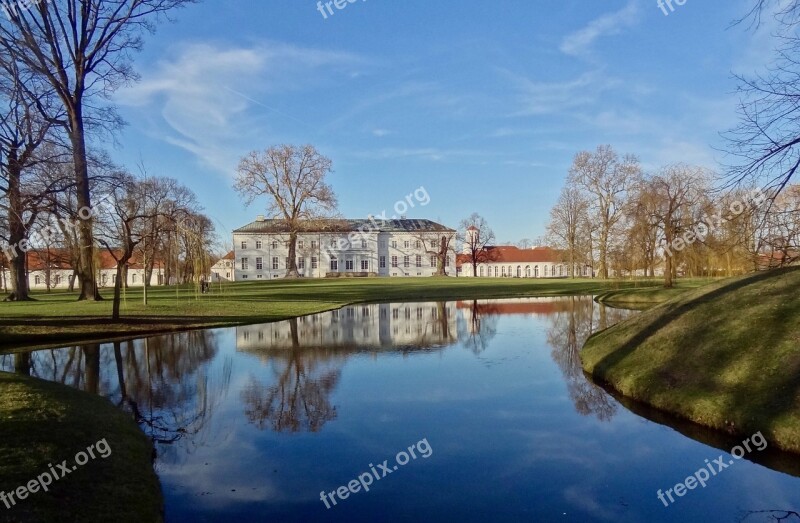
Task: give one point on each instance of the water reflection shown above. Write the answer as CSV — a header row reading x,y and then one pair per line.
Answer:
x,y
250,423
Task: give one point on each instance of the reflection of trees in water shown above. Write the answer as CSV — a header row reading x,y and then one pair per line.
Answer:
x,y
479,326
299,398
571,327
162,381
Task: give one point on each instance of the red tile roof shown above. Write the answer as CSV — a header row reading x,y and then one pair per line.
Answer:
x,y
510,254
60,259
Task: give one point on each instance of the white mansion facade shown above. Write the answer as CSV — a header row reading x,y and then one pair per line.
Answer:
x,y
333,248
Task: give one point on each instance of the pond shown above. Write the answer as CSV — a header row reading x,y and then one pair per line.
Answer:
x,y
459,411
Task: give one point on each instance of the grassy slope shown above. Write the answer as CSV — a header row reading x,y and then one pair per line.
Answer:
x,y
45,423
726,356
57,318
645,297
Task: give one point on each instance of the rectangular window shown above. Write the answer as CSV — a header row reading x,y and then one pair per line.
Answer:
x,y
348,265
394,245
406,244
301,244
447,261
314,244
275,263
418,244
301,263
38,280
433,262
419,261
258,244
363,244
394,261
259,264
406,261
383,262
334,265
364,265
133,278
274,245
244,264
434,244
244,245
314,262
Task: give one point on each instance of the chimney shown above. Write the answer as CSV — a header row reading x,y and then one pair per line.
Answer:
x,y
260,218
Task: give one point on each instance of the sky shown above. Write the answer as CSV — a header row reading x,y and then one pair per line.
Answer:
x,y
484,104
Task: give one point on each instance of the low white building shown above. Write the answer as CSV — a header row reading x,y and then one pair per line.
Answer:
x,y
334,248
51,269
513,262
222,271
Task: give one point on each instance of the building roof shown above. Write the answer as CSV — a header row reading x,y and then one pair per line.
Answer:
x,y
339,226
40,259
511,254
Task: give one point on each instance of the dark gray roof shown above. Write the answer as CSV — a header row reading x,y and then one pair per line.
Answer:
x,y
330,226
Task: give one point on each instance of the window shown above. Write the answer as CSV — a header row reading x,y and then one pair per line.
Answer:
x,y
133,278
301,244
334,264
394,261
433,262
364,265
394,244
259,264
383,262
383,244
406,261
434,244
288,264
301,263
58,278
274,263
419,261
407,244
447,261
314,244
244,245
274,244
258,244
348,265
38,280
114,278
418,244
244,264
363,244
481,269
314,262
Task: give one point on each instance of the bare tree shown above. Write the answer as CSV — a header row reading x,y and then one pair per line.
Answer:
x,y
476,236
83,50
294,181
566,229
679,191
607,178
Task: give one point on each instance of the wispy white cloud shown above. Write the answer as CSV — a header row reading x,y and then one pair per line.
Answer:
x,y
540,98
581,41
208,96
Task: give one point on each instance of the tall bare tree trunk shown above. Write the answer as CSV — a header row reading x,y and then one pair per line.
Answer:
x,y
87,277
17,233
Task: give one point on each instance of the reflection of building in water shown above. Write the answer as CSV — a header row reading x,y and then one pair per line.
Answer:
x,y
474,310
369,326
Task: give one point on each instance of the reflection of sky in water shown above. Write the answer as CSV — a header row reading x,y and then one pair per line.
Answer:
x,y
517,432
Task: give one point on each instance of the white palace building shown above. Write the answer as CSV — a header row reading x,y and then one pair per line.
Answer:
x,y
335,248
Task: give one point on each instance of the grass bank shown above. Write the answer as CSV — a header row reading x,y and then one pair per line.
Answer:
x,y
45,423
726,356
646,297
57,318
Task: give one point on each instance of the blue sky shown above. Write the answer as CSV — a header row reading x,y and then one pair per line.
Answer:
x,y
483,103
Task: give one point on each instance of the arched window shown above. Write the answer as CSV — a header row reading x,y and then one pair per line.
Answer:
x,y
536,271
504,272
528,271
481,271
519,271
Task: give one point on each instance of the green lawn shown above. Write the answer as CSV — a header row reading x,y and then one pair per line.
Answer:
x,y
726,356
57,318
645,297
44,423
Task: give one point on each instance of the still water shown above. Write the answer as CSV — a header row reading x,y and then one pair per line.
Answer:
x,y
459,411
